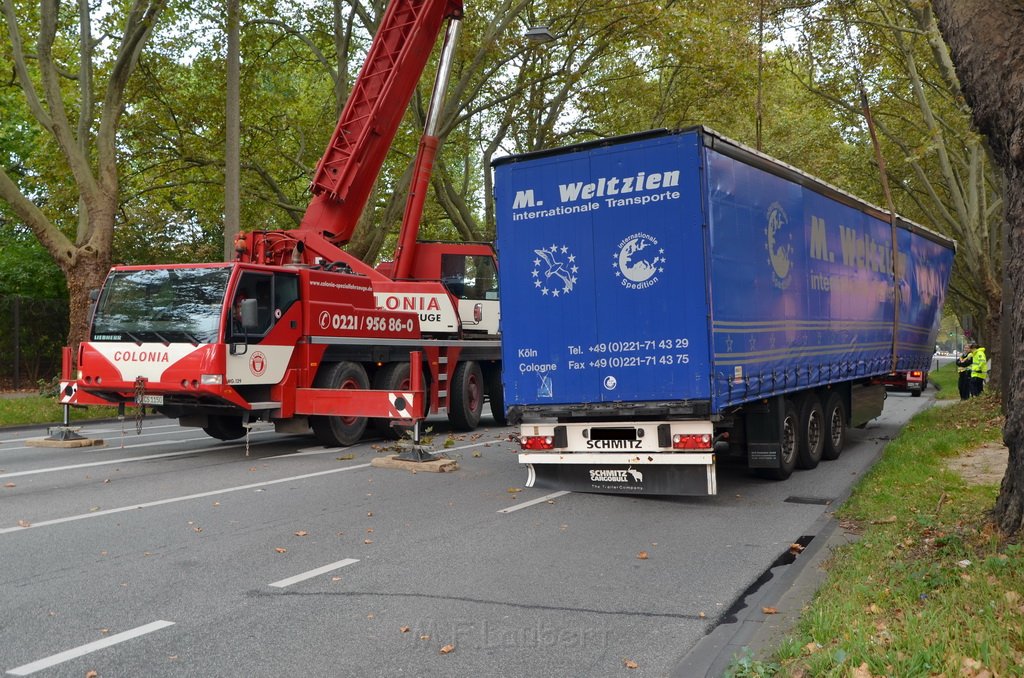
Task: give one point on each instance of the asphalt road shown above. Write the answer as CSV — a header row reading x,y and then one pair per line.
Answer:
x,y
179,555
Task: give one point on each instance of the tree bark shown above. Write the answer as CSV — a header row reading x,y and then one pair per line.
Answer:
x,y
984,41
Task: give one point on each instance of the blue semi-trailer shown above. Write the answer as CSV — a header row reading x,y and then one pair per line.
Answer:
x,y
671,297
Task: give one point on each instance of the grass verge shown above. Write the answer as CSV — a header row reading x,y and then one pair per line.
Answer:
x,y
930,588
37,409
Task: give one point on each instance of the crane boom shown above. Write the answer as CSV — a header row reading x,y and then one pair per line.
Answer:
x,y
349,167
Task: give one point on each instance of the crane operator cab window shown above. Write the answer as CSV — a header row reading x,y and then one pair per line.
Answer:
x,y
473,280
471,277
260,300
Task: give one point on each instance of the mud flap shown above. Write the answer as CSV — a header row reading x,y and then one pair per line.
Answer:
x,y
764,433
606,474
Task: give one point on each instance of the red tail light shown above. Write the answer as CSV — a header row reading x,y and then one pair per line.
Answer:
x,y
691,441
538,443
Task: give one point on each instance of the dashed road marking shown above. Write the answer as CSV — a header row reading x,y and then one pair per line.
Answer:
x,y
82,650
313,573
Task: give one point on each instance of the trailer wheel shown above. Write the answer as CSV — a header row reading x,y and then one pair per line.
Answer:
x,y
835,427
812,432
790,440
332,430
466,398
496,395
394,377
224,427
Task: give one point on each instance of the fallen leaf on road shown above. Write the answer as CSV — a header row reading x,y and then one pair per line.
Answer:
x,y
796,548
281,550
630,664
346,457
513,490
369,530
301,533
447,649
367,541
642,555
24,523
405,629
424,637
9,485
369,514
770,610
91,674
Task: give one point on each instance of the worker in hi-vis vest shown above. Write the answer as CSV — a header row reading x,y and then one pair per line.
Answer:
x,y
979,370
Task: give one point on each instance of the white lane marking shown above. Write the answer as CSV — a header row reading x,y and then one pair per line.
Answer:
x,y
527,504
307,451
333,450
110,446
313,573
125,460
172,500
81,650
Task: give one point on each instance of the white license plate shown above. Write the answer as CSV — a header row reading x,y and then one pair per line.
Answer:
x,y
152,400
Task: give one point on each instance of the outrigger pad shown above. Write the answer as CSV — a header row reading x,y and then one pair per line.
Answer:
x,y
654,479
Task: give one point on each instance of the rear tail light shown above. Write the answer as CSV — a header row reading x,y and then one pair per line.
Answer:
x,y
691,441
538,443
916,374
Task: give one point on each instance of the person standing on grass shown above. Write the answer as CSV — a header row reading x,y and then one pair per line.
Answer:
x,y
963,368
979,370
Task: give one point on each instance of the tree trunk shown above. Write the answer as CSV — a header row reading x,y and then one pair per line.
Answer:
x,y
86,274
984,40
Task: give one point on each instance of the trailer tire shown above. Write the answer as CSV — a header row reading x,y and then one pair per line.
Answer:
x,y
224,427
394,377
332,430
812,432
790,440
835,427
466,399
496,395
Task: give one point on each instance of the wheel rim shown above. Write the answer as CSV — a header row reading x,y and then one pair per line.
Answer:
x,y
836,427
814,436
474,393
349,384
788,440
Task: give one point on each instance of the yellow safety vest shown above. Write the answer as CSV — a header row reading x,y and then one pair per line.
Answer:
x,y
980,364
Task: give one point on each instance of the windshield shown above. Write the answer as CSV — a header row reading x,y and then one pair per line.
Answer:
x,y
166,305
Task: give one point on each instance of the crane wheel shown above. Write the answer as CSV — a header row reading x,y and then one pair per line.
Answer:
x,y
224,427
466,399
333,430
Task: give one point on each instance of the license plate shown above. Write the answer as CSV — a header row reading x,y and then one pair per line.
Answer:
x,y
152,400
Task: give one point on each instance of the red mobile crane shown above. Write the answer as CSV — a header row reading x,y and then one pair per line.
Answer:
x,y
295,330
